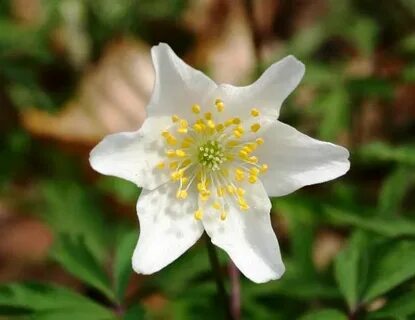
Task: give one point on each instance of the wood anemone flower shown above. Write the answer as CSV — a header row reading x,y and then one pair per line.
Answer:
x,y
208,156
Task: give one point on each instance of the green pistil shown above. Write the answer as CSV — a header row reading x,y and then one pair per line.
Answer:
x,y
211,155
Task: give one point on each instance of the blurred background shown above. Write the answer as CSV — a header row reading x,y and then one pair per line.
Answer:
x,y
72,71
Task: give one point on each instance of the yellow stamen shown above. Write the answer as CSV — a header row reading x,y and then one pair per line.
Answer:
x,y
255,127
182,194
259,141
175,118
160,165
180,153
170,153
219,105
216,205
198,214
264,168
196,108
255,112
223,215
252,179
182,126
173,165
236,121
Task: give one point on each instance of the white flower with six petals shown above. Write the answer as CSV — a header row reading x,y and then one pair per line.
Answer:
x,y
207,157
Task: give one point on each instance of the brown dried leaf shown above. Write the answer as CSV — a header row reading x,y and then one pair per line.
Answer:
x,y
223,39
112,97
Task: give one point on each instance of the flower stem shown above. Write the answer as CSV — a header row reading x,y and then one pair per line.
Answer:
x,y
235,291
220,285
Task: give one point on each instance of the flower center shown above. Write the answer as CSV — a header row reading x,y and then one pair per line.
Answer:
x,y
211,154
211,157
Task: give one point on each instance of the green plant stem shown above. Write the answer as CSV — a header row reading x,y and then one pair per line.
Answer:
x,y
220,285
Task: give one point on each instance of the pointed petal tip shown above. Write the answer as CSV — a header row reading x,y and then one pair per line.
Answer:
x,y
272,275
292,59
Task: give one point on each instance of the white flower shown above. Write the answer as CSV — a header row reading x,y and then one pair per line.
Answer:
x,y
207,157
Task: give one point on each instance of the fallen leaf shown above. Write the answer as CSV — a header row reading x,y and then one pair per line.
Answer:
x,y
112,97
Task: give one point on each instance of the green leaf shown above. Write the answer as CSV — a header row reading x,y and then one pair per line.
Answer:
x,y
328,314
393,264
124,191
73,254
71,209
393,191
401,307
379,151
371,87
350,266
136,312
122,262
386,226
335,107
39,300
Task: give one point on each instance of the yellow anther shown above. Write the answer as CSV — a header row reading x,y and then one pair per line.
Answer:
x,y
251,146
239,175
198,214
221,191
252,179
186,144
232,143
180,153
219,105
228,122
243,154
264,168
220,127
181,194
173,165
253,159
255,127
211,124
236,121
165,133
170,153
240,192
231,189
184,180
186,162
204,195
223,215
259,141
171,140
238,132
198,127
175,118
243,204
160,165
201,187
208,116
176,175
216,205
196,108
254,171
182,126
255,112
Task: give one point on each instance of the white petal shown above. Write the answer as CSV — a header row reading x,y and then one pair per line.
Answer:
x,y
296,160
167,228
267,93
133,155
178,86
248,237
